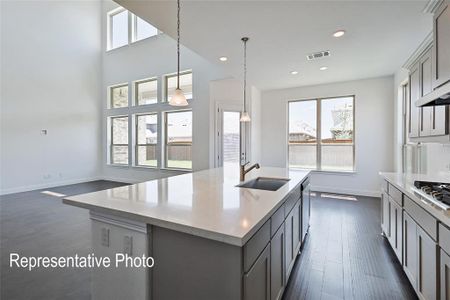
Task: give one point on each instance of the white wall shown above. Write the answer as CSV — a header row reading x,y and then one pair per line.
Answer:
x,y
155,57
374,134
50,79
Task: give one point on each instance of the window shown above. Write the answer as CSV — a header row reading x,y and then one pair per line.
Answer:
x,y
321,134
125,28
142,29
178,142
185,85
119,96
146,92
119,140
146,140
118,28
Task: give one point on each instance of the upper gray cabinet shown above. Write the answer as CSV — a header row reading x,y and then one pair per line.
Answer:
x,y
414,92
441,42
426,86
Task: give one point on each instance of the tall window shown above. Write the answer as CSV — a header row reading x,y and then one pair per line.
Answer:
x,y
119,96
125,28
178,139
321,134
119,140
118,28
146,140
185,85
146,91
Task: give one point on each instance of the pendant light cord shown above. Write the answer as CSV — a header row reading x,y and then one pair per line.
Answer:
x,y
178,45
245,71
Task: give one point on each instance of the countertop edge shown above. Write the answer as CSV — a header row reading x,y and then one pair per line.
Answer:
x,y
427,207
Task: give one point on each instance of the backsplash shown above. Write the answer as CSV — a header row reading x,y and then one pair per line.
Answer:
x,y
427,158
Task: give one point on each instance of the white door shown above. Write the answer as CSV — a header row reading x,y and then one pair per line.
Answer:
x,y
228,136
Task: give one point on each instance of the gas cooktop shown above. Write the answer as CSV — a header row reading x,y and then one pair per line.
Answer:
x,y
436,192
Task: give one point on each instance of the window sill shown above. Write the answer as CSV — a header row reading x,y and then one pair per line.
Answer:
x,y
325,172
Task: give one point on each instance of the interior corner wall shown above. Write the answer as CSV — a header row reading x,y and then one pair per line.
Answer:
x,y
50,80
374,134
156,57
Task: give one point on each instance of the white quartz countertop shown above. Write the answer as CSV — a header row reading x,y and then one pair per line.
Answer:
x,y
205,203
406,182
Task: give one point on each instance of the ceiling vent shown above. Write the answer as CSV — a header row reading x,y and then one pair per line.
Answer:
x,y
318,55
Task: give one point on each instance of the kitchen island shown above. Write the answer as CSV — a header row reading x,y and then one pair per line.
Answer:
x,y
209,238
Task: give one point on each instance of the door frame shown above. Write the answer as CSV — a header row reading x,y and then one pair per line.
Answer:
x,y
218,133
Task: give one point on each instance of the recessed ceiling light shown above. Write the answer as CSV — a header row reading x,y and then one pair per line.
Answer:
x,y
323,68
223,58
339,33
294,72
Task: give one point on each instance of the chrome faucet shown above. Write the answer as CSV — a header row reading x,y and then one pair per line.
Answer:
x,y
243,171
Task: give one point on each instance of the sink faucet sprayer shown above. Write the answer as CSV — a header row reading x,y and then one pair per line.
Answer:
x,y
243,171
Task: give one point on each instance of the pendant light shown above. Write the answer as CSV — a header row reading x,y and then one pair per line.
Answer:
x,y
245,117
178,99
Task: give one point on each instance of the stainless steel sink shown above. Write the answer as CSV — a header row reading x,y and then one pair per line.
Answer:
x,y
264,183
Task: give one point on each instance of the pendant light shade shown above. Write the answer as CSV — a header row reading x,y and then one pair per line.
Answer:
x,y
245,117
178,98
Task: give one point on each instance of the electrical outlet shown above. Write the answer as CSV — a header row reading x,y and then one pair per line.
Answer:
x,y
44,132
105,237
128,245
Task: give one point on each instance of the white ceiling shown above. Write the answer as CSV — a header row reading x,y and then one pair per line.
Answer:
x,y
381,35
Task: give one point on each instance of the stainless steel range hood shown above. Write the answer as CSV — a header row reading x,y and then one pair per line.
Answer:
x,y
440,96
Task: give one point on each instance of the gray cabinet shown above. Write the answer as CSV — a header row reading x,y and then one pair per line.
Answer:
x,y
426,113
305,209
396,229
441,43
385,217
289,243
445,276
414,111
277,279
410,248
297,229
427,284
257,279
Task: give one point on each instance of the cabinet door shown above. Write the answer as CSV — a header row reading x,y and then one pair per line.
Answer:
x,y
306,210
414,95
441,42
425,88
439,122
396,229
410,249
385,218
445,276
427,285
277,264
296,234
257,279
289,243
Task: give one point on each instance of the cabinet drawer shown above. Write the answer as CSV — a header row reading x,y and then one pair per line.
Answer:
x,y
444,238
385,186
396,194
423,219
291,199
256,245
276,220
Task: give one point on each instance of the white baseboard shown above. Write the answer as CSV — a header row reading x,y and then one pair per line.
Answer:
x,y
40,186
327,189
119,179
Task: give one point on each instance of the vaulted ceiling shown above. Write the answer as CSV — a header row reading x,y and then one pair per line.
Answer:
x,y
380,36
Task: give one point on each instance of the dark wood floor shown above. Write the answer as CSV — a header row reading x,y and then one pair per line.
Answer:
x,y
35,224
344,257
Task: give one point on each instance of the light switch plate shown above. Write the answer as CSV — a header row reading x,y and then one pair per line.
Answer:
x,y
105,237
128,245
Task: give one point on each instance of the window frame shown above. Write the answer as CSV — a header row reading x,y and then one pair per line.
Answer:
x,y
112,145
109,25
133,30
318,142
166,139
110,96
136,90
166,84
137,145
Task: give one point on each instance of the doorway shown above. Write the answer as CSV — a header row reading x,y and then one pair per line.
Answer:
x,y
228,135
